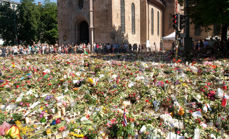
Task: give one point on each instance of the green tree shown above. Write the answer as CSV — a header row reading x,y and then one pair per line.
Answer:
x,y
7,23
29,17
48,31
210,12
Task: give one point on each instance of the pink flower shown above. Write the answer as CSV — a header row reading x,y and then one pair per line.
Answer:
x,y
3,128
108,124
113,121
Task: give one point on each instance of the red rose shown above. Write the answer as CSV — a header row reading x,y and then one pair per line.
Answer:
x,y
224,87
147,100
58,121
208,83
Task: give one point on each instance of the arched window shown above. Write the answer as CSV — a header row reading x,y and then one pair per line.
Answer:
x,y
158,23
152,21
122,16
80,4
133,17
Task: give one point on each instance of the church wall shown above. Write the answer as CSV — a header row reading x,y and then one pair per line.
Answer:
x,y
116,21
102,21
69,18
132,38
143,18
155,38
167,17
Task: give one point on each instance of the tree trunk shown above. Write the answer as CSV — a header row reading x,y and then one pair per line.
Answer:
x,y
224,32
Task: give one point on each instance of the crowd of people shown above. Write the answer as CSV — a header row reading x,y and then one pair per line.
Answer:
x,y
213,47
202,48
68,49
205,48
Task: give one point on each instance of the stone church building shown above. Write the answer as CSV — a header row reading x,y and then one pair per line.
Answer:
x,y
115,21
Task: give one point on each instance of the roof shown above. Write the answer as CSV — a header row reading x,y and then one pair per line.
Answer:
x,y
159,3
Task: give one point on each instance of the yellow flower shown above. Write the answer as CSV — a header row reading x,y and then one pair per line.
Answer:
x,y
76,135
70,133
184,84
90,80
171,114
103,134
48,131
41,108
19,125
79,135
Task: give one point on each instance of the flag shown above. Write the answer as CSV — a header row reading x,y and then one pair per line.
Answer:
x,y
85,52
224,101
124,118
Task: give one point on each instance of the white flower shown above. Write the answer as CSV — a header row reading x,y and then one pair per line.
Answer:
x,y
219,93
131,84
143,129
83,119
46,71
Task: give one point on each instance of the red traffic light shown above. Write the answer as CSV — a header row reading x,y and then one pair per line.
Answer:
x,y
175,19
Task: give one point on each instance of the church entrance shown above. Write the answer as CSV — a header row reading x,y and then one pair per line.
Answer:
x,y
83,32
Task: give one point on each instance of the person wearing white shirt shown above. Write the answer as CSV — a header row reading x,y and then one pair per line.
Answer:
x,y
147,45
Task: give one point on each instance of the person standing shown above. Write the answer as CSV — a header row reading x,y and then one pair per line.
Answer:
x,y
108,48
4,51
89,48
0,54
148,45
205,43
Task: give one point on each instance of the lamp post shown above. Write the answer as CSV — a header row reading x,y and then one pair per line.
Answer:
x,y
187,39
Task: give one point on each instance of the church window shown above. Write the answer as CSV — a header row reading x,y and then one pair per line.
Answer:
x,y
122,16
133,18
158,23
81,4
152,21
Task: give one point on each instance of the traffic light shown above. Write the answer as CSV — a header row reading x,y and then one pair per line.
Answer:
x,y
182,21
175,21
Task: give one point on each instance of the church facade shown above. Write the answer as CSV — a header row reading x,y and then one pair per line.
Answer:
x,y
115,21
111,21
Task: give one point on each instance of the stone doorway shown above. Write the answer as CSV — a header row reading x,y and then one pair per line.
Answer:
x,y
83,32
